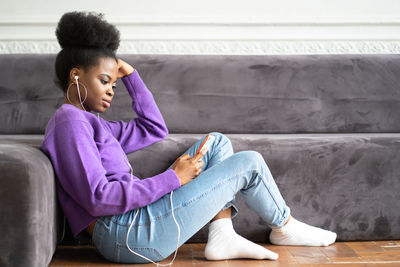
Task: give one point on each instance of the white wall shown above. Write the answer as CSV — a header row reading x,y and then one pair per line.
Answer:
x,y
215,26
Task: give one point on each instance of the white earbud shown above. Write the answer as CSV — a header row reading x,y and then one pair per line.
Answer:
x,y
79,94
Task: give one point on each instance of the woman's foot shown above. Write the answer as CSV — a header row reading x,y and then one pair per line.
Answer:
x,y
296,233
224,243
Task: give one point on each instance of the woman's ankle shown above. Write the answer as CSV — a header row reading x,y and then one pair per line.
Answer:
x,y
288,219
223,214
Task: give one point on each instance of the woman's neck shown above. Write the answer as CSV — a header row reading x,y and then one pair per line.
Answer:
x,y
66,101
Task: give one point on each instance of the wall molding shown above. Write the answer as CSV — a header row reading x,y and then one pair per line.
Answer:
x,y
249,47
219,36
138,19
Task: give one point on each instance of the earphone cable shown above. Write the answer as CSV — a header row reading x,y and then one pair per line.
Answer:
x,y
79,93
137,212
177,225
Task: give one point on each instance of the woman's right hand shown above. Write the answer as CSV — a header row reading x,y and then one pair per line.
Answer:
x,y
187,168
124,68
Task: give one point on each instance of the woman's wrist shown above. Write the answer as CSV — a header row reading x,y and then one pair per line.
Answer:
x,y
127,72
132,71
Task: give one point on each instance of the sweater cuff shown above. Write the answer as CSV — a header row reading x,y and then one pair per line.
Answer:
x,y
171,179
130,79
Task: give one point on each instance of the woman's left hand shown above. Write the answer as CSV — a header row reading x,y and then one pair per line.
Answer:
x,y
124,69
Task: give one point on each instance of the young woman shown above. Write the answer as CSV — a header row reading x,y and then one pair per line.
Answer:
x,y
134,220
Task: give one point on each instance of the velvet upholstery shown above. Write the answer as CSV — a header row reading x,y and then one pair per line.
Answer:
x,y
347,183
328,127
30,216
229,94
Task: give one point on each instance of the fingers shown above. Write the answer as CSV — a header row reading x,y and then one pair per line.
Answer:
x,y
185,156
124,68
200,154
199,164
198,167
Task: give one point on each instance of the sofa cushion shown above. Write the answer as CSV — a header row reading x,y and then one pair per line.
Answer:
x,y
30,217
227,93
347,183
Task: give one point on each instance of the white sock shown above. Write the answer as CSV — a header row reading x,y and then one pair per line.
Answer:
x,y
224,243
296,233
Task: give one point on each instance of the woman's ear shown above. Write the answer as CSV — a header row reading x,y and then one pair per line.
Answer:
x,y
73,72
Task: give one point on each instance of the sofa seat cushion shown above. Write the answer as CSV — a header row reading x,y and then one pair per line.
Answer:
x,y
342,182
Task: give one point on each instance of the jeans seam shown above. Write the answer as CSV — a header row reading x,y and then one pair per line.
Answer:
x,y
102,224
212,189
99,237
156,218
273,197
215,187
197,197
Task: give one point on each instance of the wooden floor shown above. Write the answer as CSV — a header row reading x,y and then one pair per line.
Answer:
x,y
371,253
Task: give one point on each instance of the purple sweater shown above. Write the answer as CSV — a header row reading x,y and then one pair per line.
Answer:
x,y
87,153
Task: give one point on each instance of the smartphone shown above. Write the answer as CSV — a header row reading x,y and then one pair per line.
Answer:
x,y
206,143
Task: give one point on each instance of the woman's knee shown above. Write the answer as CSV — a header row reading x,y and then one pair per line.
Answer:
x,y
221,136
222,139
250,158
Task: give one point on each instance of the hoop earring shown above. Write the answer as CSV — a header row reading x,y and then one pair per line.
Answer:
x,y
78,93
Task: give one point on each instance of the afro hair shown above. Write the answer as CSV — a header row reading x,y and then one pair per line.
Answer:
x,y
87,29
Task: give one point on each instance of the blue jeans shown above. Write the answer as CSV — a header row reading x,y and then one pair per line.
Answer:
x,y
224,173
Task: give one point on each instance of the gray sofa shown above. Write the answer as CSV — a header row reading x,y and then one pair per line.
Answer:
x,y
328,126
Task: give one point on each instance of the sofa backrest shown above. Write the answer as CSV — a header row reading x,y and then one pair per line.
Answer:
x,y
226,93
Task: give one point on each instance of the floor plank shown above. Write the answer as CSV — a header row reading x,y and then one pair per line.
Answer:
x,y
366,253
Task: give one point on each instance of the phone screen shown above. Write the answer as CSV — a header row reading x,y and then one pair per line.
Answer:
x,y
206,143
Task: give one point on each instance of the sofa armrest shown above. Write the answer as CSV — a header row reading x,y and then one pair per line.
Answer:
x,y
29,212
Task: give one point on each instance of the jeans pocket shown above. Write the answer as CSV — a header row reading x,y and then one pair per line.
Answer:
x,y
124,255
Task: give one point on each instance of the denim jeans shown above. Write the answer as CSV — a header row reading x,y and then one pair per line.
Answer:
x,y
224,173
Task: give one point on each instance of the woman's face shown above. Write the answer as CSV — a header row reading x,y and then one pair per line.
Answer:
x,y
100,84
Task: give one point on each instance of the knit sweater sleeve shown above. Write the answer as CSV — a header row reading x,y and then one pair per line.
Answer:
x,y
83,177
145,130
